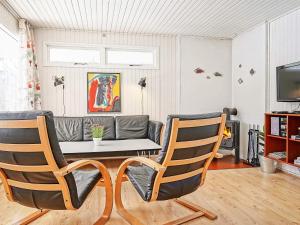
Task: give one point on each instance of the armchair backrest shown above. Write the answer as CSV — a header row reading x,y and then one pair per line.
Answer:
x,y
190,144
29,156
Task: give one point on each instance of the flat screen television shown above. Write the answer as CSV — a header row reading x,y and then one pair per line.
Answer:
x,y
288,83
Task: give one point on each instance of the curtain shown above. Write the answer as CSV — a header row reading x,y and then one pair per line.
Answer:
x,y
12,82
29,66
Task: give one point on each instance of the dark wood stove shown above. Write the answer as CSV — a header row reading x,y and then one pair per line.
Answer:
x,y
232,126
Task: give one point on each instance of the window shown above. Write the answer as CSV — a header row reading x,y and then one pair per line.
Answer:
x,y
59,55
131,57
81,55
12,83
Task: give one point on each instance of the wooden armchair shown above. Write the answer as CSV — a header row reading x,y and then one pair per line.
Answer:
x,y
34,172
190,144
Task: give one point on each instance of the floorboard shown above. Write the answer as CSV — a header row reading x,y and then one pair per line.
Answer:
x,y
240,196
227,162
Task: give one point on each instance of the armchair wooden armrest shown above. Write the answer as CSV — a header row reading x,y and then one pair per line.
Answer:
x,y
78,164
146,161
105,182
120,178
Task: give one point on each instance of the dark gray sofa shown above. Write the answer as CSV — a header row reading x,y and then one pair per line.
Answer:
x,y
76,129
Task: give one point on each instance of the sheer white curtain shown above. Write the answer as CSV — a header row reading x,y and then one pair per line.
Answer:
x,y
29,66
19,80
12,81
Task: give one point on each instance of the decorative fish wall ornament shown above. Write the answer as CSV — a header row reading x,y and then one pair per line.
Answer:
x,y
198,70
217,74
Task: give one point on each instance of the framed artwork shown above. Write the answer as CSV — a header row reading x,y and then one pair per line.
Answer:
x,y
103,92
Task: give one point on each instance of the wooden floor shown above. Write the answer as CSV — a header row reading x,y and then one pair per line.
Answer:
x,y
240,196
227,162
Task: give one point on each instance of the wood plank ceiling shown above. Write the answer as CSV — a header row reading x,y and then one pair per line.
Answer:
x,y
210,18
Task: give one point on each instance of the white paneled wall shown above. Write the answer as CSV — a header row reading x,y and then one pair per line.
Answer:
x,y
160,96
199,94
284,49
249,51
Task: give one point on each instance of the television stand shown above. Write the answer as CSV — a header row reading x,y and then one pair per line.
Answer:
x,y
287,145
285,112
280,112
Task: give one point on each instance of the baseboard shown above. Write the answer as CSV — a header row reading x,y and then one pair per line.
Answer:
x,y
289,169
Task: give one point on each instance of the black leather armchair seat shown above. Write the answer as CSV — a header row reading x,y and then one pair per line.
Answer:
x,y
141,177
34,171
190,143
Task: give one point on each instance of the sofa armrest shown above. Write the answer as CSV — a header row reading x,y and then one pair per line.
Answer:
x,y
154,130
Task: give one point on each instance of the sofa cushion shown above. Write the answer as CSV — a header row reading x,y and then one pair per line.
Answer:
x,y
107,121
154,131
130,127
69,128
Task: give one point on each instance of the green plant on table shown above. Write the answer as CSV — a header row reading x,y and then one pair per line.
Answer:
x,y
97,131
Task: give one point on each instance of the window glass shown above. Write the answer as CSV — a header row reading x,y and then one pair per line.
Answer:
x,y
73,55
12,82
129,57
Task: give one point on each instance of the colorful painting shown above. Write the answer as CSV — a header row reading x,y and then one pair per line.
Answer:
x,y
104,94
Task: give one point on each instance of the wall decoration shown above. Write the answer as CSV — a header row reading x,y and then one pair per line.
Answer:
x,y
240,81
252,71
60,81
217,74
142,83
104,92
240,66
198,70
208,77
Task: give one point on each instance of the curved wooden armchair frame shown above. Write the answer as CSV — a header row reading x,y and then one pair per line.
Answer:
x,y
161,168
59,173
122,177
105,182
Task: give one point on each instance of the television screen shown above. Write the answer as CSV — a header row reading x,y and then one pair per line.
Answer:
x,y
288,83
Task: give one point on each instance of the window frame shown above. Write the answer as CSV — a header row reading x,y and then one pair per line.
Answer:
x,y
103,57
48,45
11,35
155,51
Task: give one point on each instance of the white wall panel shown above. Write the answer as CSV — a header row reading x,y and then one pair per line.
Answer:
x,y
198,94
249,51
284,49
159,95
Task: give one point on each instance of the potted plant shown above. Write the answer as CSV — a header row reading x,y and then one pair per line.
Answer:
x,y
97,133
